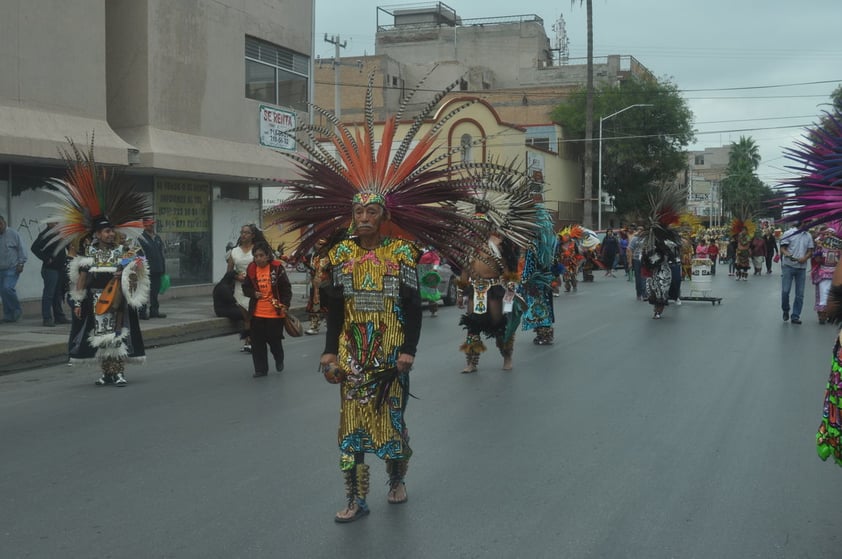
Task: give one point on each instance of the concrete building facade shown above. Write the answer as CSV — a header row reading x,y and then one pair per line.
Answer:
x,y
505,61
705,171
188,95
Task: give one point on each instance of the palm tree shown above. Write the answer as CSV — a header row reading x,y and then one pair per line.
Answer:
x,y
745,152
587,218
741,187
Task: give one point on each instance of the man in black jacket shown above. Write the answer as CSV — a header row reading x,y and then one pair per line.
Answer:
x,y
54,274
153,249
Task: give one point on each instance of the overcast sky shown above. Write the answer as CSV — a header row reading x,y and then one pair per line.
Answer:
x,y
736,50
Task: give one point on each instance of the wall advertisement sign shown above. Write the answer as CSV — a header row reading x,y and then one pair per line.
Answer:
x,y
182,206
273,123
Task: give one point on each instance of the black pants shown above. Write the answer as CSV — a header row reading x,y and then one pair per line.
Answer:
x,y
267,331
154,289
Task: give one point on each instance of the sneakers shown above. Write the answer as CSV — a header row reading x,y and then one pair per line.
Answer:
x,y
121,380
657,316
104,379
246,348
796,320
678,302
311,331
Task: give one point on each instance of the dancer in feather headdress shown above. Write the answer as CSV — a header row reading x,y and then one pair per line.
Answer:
x,y
503,206
742,230
826,255
815,194
539,269
570,255
374,306
661,243
101,218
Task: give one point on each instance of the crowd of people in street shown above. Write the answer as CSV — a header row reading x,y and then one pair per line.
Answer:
x,y
368,284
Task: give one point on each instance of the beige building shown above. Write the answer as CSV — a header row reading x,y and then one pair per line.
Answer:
x,y
505,61
190,96
705,171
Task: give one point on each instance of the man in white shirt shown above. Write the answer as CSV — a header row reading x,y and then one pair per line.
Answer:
x,y
796,250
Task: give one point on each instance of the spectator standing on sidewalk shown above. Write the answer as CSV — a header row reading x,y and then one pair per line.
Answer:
x,y
153,249
12,258
53,273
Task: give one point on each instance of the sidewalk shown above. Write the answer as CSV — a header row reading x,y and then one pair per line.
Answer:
x,y
27,344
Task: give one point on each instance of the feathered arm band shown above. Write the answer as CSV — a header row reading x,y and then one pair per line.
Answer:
x,y
135,282
74,269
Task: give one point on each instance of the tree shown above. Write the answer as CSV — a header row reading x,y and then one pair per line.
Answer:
x,y
836,97
742,189
587,207
642,147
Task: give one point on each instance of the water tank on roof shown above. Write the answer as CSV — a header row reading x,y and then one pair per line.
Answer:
x,y
437,14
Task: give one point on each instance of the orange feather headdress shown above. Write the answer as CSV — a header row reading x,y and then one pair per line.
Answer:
x,y
412,179
92,197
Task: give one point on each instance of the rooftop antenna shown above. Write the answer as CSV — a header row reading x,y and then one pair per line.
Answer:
x,y
562,41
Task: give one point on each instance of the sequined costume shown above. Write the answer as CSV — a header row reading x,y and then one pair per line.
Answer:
x,y
491,305
539,269
111,338
377,318
829,435
316,308
826,255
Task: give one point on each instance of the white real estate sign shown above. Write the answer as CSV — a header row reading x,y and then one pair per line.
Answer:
x,y
273,123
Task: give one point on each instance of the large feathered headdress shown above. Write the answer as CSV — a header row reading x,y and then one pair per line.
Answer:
x,y
414,182
667,202
743,219
92,197
815,194
504,198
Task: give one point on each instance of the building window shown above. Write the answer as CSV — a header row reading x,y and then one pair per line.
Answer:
x,y
276,75
700,160
465,145
540,143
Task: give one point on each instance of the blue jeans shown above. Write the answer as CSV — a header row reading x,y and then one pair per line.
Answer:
x,y
52,295
799,275
11,305
639,280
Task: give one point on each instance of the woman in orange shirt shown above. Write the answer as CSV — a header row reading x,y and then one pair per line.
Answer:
x,y
270,293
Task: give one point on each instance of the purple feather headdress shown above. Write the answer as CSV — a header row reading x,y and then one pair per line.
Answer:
x,y
814,196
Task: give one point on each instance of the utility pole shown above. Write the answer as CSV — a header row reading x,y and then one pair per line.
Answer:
x,y
337,103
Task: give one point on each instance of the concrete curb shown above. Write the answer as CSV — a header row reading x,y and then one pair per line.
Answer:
x,y
35,355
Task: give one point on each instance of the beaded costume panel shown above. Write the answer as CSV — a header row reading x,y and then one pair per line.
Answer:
x,y
369,344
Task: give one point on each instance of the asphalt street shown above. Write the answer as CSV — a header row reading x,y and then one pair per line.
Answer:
x,y
688,437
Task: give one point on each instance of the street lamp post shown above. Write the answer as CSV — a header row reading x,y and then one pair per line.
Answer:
x,y
599,180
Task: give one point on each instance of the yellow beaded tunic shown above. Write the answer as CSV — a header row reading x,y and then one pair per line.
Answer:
x,y
369,344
